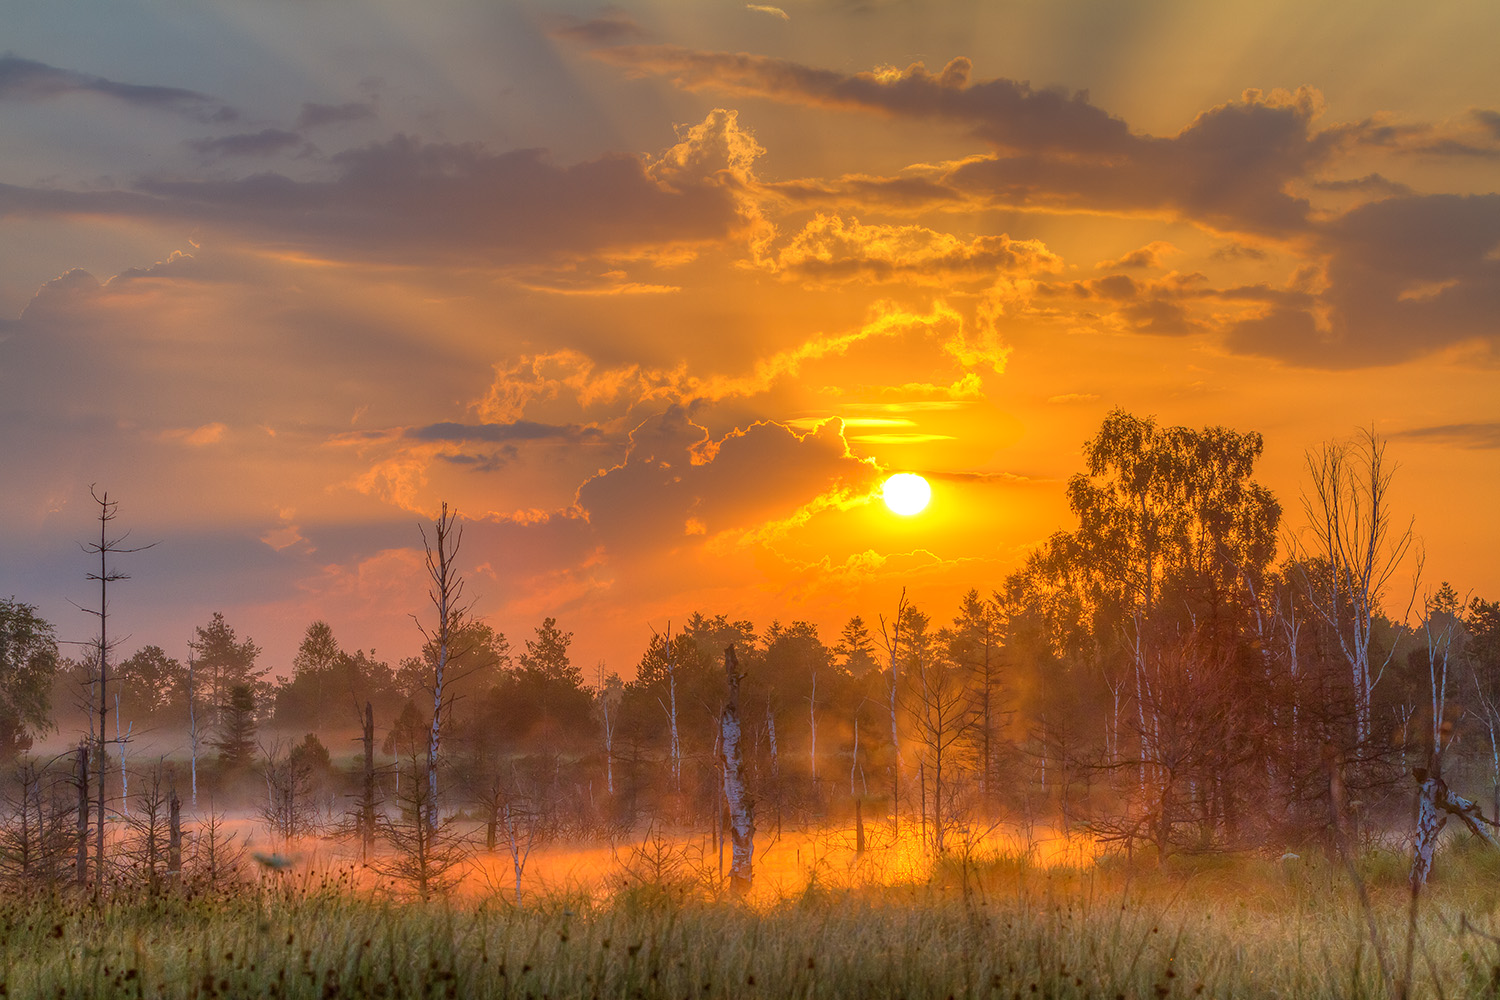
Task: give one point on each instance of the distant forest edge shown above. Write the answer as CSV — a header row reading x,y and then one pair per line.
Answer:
x,y
1180,672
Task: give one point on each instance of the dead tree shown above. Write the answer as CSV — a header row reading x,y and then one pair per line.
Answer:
x,y
367,792
81,781
445,592
1435,804
426,853
741,805
35,836
1350,517
104,548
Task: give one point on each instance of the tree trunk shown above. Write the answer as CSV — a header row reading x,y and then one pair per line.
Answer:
x,y
82,772
736,796
174,837
367,800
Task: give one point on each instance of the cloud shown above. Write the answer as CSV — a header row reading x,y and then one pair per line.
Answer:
x,y
519,430
766,9
320,115
1005,112
610,27
1148,256
538,379
407,199
29,80
831,249
1482,436
676,473
262,143
1404,277
1228,169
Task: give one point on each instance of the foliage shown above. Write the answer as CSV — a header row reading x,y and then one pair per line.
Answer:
x,y
28,661
235,737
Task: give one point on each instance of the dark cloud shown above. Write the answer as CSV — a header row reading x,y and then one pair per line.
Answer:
x,y
1371,184
319,115
403,197
1228,169
610,26
677,482
1405,277
1489,119
1424,139
1484,436
1009,113
1239,251
26,79
488,462
262,143
520,430
865,191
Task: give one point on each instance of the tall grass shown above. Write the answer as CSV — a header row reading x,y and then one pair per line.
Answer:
x,y
992,925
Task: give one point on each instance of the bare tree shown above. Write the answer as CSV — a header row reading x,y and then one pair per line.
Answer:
x,y
37,842
104,548
426,853
1349,516
445,592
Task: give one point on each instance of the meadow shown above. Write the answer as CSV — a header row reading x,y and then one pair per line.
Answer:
x,y
989,921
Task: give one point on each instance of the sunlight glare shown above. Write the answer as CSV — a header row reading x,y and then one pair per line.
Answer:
x,y
906,493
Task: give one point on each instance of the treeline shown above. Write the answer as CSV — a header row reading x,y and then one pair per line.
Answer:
x,y
1179,670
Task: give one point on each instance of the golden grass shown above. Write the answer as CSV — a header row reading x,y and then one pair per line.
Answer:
x,y
990,923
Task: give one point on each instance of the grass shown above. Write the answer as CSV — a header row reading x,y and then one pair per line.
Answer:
x,y
991,925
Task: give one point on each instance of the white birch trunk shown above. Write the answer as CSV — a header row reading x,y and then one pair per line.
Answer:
x,y
741,806
193,734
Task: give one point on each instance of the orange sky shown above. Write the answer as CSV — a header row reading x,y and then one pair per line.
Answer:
x,y
656,294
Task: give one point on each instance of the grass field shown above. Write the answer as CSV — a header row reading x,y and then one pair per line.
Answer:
x,y
992,925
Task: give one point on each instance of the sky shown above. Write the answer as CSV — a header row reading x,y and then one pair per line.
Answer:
x,y
656,294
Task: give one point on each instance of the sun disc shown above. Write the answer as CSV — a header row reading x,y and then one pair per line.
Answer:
x,y
906,493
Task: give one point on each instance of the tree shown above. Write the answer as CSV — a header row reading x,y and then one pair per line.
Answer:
x,y
28,663
546,656
974,644
104,548
223,661
941,706
151,682
445,593
1349,520
235,740
855,648
741,806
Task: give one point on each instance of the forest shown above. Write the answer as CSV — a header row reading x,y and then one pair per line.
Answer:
x,y
1196,670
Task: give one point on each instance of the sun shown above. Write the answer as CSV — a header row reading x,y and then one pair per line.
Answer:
x,y
906,493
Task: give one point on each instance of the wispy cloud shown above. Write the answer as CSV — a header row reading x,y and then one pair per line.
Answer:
x,y
29,80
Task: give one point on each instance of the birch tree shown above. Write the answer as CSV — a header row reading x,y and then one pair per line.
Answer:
x,y
736,796
1352,535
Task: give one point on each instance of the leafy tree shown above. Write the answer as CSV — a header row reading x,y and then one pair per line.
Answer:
x,y
546,656
974,644
28,661
224,661
151,682
856,648
235,740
